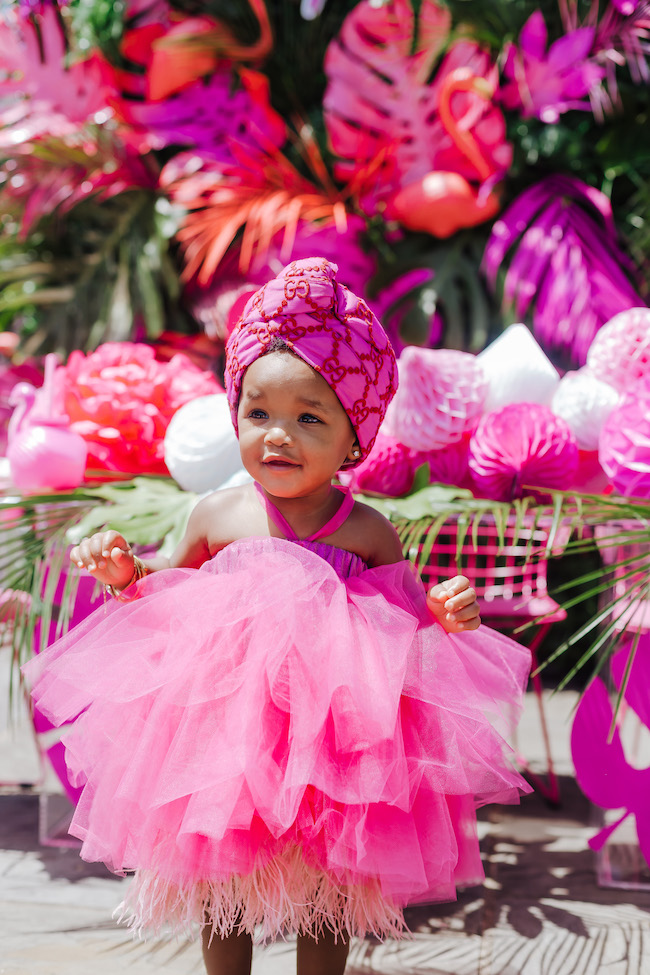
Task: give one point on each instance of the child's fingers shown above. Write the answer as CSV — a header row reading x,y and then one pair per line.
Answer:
x,y
456,585
101,550
464,599
439,593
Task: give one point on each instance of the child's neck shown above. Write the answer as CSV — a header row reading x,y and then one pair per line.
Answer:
x,y
309,513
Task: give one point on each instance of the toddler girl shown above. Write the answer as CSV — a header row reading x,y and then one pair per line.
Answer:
x,y
273,731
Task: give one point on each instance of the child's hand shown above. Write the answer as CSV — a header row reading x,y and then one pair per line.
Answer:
x,y
454,605
108,556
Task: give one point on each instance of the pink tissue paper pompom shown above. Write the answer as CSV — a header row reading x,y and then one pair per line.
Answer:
x,y
440,397
620,352
520,446
624,450
390,467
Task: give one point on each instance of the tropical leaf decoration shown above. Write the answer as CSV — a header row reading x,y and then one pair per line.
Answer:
x,y
262,195
453,291
104,275
34,69
37,532
380,101
553,257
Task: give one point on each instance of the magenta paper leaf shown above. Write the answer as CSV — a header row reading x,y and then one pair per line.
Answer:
x,y
208,114
602,770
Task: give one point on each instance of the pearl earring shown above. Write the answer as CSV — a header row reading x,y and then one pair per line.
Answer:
x,y
356,452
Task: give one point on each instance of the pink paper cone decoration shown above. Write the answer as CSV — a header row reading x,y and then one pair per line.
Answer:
x,y
620,351
584,402
624,449
440,397
521,446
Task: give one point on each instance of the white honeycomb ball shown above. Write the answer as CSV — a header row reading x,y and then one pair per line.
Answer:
x,y
201,447
584,402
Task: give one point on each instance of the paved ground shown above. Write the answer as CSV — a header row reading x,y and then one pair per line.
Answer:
x,y
540,912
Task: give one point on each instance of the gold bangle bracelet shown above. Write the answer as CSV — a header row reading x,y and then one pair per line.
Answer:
x,y
140,570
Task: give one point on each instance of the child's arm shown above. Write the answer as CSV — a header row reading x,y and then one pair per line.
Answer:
x,y
108,555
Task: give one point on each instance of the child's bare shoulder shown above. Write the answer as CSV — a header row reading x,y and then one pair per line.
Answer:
x,y
220,518
376,540
226,515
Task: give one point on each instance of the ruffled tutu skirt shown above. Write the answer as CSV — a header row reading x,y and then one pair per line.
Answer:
x,y
270,746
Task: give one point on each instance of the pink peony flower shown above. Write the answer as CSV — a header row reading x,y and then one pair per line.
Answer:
x,y
120,398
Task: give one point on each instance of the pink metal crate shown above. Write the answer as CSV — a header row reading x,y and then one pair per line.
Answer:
x,y
509,574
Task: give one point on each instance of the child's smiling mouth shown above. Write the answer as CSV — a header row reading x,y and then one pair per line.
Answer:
x,y
279,463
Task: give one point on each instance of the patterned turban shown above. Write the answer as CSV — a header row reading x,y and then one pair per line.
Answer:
x,y
328,327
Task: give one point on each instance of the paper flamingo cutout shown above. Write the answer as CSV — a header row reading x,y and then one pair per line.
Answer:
x,y
443,202
43,452
602,770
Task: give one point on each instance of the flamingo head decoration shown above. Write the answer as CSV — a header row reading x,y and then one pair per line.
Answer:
x,y
443,202
43,452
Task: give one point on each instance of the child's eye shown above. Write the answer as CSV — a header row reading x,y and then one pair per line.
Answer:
x,y
258,415
309,418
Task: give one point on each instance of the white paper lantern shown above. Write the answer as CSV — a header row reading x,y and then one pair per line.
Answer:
x,y
201,448
517,370
584,402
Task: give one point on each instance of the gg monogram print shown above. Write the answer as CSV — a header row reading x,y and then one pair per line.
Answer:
x,y
331,329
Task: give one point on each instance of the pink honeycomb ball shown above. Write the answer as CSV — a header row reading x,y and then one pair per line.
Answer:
x,y
624,450
620,352
388,469
519,448
440,397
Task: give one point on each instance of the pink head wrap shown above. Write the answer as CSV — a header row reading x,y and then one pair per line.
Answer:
x,y
328,327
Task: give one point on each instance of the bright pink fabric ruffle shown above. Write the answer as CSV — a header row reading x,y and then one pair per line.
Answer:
x,y
260,705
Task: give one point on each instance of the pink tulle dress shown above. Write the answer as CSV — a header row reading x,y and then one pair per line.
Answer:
x,y
283,740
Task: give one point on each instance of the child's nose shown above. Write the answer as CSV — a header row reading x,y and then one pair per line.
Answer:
x,y
277,434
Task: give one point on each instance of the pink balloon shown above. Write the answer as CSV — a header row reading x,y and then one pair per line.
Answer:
x,y
522,446
624,447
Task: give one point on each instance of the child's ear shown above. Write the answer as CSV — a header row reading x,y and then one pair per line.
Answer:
x,y
353,455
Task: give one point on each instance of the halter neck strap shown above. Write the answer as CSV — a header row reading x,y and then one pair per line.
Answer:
x,y
334,523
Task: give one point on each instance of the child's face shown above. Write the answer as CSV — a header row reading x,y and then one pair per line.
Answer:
x,y
293,432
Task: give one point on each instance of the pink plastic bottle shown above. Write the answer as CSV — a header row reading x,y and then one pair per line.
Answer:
x,y
43,452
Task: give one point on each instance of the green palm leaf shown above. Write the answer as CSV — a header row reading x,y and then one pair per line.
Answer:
x,y
36,533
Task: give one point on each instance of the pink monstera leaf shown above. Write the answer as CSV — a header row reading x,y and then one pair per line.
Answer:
x,y
378,102
602,769
53,95
388,123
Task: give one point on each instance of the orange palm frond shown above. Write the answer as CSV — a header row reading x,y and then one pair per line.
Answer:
x,y
263,195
